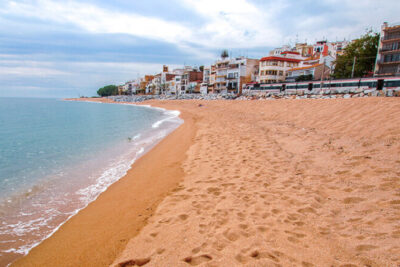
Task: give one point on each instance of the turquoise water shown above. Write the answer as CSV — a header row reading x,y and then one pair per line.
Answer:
x,y
57,156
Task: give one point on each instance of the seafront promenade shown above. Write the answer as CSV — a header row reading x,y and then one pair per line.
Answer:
x,y
255,183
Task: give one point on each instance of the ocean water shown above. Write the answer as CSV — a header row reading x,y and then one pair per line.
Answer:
x,y
57,156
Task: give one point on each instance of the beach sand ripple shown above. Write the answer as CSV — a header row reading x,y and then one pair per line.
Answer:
x,y
282,183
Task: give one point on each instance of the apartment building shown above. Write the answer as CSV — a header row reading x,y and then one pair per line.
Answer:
x,y
208,79
388,58
273,68
191,77
130,87
231,73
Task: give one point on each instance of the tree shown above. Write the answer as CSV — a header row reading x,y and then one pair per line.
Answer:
x,y
224,53
363,51
201,68
308,77
108,90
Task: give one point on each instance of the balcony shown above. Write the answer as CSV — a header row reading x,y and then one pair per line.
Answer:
x,y
388,50
390,38
221,67
381,62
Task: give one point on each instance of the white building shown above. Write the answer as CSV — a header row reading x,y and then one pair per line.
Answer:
x,y
131,87
232,73
273,69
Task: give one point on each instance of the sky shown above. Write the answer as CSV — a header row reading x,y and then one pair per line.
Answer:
x,y
71,48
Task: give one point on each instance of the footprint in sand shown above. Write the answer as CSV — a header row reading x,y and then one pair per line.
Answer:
x,y
135,262
365,247
352,200
197,260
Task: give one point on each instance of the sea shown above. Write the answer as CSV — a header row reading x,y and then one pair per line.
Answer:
x,y
57,156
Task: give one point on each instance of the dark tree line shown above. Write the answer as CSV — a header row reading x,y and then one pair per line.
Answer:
x,y
108,90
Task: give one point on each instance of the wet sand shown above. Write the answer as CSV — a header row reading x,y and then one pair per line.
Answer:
x,y
253,183
98,233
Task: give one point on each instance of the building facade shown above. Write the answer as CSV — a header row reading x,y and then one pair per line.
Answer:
x,y
228,75
314,72
388,58
273,69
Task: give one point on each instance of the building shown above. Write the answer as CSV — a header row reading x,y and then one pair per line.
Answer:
x,y
144,82
190,78
229,74
388,58
153,87
120,89
314,72
304,49
130,87
321,47
273,68
176,85
213,74
337,48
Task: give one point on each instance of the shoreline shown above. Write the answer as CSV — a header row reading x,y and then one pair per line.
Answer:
x,y
285,182
48,251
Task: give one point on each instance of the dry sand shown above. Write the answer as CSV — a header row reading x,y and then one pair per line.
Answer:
x,y
265,183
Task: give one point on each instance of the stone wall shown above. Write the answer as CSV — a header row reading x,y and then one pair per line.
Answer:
x,y
303,94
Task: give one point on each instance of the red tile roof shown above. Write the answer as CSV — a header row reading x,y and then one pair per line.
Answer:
x,y
272,58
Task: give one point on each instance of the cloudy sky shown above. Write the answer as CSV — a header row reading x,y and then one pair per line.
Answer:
x,y
65,48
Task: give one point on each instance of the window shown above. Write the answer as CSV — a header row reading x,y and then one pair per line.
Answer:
x,y
271,72
352,84
391,58
280,73
392,83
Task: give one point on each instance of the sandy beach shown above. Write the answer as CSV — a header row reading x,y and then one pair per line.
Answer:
x,y
250,183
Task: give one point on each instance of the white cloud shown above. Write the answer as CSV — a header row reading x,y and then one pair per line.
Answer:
x,y
231,24
226,23
99,20
237,23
